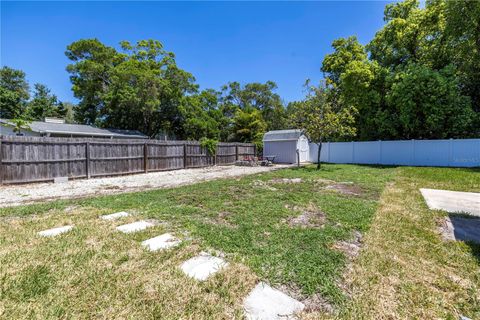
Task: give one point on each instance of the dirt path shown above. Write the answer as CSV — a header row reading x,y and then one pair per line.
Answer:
x,y
14,195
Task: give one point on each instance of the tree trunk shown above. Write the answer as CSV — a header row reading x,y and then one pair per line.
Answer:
x,y
318,154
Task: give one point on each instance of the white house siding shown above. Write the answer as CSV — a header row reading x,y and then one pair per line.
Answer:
x,y
285,151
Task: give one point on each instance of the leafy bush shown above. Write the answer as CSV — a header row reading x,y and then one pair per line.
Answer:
x,y
210,145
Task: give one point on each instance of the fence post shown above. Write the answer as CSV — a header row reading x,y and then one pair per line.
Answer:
x,y
145,157
254,151
236,152
380,158
215,155
87,159
413,151
328,158
450,152
353,151
185,155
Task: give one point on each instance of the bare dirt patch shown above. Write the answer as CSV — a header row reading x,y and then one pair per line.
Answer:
x,y
222,219
310,217
352,247
14,195
346,188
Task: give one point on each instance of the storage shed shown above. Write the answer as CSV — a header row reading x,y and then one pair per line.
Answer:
x,y
283,144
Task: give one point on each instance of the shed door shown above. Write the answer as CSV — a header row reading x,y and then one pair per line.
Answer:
x,y
303,149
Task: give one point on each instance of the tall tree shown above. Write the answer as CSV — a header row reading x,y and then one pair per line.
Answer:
x,y
201,116
463,37
44,104
260,96
354,81
423,64
429,104
14,93
70,109
139,88
321,120
90,69
249,126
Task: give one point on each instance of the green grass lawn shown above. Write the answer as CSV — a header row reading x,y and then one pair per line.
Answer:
x,y
95,271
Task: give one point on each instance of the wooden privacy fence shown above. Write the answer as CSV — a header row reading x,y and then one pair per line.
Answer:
x,y
34,159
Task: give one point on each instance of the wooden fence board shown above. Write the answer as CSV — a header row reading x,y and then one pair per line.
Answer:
x,y
31,159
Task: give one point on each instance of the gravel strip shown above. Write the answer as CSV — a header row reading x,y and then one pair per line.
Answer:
x,y
14,195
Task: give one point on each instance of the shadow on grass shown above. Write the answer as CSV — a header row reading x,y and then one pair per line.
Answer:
x,y
331,167
475,250
467,228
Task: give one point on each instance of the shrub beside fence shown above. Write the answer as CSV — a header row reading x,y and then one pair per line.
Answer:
x,y
432,153
35,159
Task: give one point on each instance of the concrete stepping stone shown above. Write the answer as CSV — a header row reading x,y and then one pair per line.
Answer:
x,y
115,216
55,231
452,201
164,241
267,303
202,266
135,226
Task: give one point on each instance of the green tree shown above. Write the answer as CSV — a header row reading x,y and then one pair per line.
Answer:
x,y
90,69
44,104
429,104
70,110
320,120
353,80
14,93
260,96
401,82
139,88
201,116
249,126
462,29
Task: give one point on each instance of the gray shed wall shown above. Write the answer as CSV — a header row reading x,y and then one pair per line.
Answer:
x,y
285,151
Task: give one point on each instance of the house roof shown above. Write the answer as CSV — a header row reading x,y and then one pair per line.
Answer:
x,y
78,130
283,135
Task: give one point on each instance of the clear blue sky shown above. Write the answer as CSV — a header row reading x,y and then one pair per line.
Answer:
x,y
217,42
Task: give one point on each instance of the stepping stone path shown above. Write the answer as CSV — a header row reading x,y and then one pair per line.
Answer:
x,y
263,302
202,266
55,231
135,226
115,216
164,241
267,303
452,201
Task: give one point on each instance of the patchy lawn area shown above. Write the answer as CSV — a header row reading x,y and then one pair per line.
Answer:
x,y
297,229
406,270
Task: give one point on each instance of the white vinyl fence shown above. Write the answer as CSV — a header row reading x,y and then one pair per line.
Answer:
x,y
434,153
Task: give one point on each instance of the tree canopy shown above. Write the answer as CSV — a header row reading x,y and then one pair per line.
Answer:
x,y
17,102
418,78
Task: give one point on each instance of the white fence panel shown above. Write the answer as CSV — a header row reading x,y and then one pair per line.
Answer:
x,y
366,152
341,152
435,153
397,152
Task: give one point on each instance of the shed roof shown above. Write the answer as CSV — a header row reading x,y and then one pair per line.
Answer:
x,y
283,135
78,130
